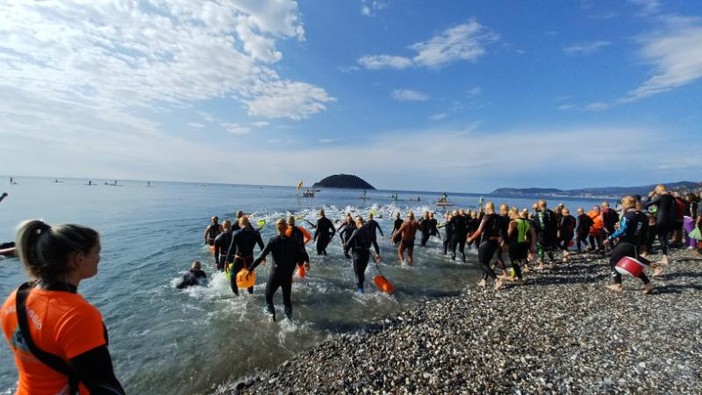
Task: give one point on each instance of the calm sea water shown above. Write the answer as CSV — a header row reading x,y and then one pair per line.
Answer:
x,y
199,340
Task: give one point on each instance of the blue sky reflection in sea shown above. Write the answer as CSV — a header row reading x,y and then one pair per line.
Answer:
x,y
455,95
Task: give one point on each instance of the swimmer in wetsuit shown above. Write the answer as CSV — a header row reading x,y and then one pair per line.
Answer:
x,y
324,232
287,252
212,230
665,219
460,233
631,228
521,237
194,276
491,230
424,229
373,226
221,245
395,226
359,243
344,230
241,250
546,232
407,233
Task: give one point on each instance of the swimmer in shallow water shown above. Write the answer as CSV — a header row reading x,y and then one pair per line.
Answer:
x,y
194,276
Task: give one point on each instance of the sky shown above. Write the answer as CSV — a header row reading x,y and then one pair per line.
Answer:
x,y
445,95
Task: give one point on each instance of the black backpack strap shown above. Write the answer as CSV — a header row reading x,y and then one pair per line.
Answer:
x,y
53,361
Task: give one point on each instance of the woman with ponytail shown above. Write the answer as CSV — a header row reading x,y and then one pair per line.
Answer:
x,y
58,339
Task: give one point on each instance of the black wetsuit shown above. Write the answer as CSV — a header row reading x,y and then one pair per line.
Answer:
x,y
583,230
396,225
609,220
434,227
567,229
345,231
458,237
212,231
221,248
519,245
286,253
241,252
359,243
425,228
300,238
192,277
665,218
448,234
632,226
324,231
492,230
546,233
372,226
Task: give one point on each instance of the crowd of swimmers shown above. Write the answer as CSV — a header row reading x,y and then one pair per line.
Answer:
x,y
60,343
508,239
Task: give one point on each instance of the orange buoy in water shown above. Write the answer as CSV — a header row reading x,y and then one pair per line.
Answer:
x,y
245,279
383,284
301,271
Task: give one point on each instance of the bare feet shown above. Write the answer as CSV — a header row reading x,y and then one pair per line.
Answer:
x,y
498,284
615,287
658,271
648,288
482,283
665,260
541,266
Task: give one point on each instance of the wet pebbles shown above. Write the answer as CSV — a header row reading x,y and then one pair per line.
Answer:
x,y
562,332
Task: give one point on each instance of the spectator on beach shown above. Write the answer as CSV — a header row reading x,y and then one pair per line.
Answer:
x,y
212,230
58,339
194,276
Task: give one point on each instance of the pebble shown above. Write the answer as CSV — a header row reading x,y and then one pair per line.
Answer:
x,y
562,332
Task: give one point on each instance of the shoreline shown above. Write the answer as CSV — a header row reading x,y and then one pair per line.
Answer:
x,y
562,332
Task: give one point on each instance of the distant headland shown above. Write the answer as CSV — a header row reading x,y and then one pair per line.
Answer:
x,y
346,181
682,187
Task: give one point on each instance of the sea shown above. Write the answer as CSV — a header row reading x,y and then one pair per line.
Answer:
x,y
203,340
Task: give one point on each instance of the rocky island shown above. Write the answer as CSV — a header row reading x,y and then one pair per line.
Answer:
x,y
346,181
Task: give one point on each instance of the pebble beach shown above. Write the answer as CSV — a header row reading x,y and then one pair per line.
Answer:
x,y
561,332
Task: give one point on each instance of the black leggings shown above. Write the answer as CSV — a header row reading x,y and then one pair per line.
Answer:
x,y
237,266
424,239
275,280
663,233
596,241
621,250
565,242
518,254
322,243
360,262
460,240
374,242
485,252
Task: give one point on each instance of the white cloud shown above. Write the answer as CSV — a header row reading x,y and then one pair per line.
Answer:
x,y
146,55
371,7
586,48
475,91
438,117
235,128
462,42
297,100
196,125
376,62
598,106
408,95
260,124
328,141
467,41
648,7
676,56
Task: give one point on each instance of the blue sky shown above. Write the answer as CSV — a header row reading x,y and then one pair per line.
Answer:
x,y
443,95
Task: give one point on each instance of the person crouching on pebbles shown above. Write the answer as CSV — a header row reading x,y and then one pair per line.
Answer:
x,y
490,228
631,228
